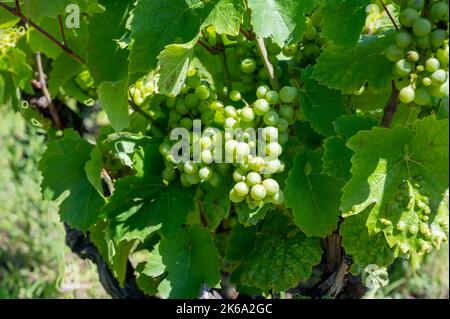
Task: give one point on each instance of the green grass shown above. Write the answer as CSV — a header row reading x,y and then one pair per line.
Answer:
x,y
34,261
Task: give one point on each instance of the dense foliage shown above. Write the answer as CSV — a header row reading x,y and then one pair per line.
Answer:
x,y
350,99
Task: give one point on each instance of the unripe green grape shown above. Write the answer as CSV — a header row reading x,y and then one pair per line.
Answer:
x,y
247,114
298,58
422,97
216,105
170,102
193,81
202,92
403,39
193,179
273,59
272,97
239,175
290,50
419,68
165,148
394,53
416,4
403,67
206,156
438,77
235,95
253,178
311,50
174,116
439,11
258,192
230,111
426,81
273,166
283,125
248,66
230,122
190,168
241,189
184,181
407,95
242,150
257,164
269,133
286,112
205,142
412,56
408,17
360,91
432,65
443,56
441,91
205,173
263,74
271,186
310,33
278,198
181,107
271,118
186,123
288,94
203,106
235,198
261,91
191,100
438,37
261,107
283,138
274,149
422,27
207,117
273,48
247,79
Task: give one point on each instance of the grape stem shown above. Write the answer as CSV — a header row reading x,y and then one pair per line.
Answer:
x,y
44,89
267,64
391,108
207,47
389,14
64,47
139,110
61,29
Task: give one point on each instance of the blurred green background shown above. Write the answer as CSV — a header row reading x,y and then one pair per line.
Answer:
x,y
35,263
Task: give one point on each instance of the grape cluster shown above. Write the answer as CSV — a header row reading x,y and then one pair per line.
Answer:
x,y
9,38
421,52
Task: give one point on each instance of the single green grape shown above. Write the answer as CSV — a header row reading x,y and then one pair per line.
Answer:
x,y
416,4
191,100
242,189
272,97
438,37
286,112
253,178
269,133
407,95
216,105
271,118
261,91
422,27
412,56
193,81
432,65
423,42
438,77
186,123
205,173
235,198
403,39
235,95
403,67
426,81
408,17
439,11
258,192
248,66
247,114
271,186
394,53
288,94
261,107
202,92
290,50
283,125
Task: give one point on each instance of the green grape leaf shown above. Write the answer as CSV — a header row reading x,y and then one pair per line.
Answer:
x,y
282,256
372,100
405,115
213,205
36,9
165,213
356,240
63,69
15,63
227,16
313,196
242,241
250,217
336,158
113,98
321,106
348,70
343,21
62,167
156,24
283,20
174,63
153,272
106,61
191,260
403,178
94,168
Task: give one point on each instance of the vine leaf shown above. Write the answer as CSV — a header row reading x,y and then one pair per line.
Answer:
x,y
313,196
281,256
62,167
348,70
284,20
343,21
155,24
356,240
191,260
113,97
320,105
227,16
402,175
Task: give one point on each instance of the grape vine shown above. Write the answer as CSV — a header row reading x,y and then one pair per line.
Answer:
x,y
251,143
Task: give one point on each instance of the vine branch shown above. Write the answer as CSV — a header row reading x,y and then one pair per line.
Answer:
x,y
139,110
44,89
61,29
391,108
64,47
207,47
389,14
268,65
